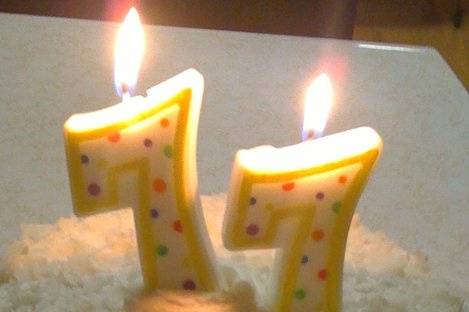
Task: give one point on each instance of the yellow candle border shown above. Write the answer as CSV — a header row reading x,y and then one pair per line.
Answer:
x,y
236,239
84,205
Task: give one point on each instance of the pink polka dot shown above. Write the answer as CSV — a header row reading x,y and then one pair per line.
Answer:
x,y
320,195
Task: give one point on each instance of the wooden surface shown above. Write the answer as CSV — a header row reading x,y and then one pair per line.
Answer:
x,y
418,22
316,18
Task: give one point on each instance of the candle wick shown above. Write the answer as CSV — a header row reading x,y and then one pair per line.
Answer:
x,y
125,92
125,96
309,135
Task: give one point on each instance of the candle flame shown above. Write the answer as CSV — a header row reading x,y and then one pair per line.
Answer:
x,y
128,52
318,103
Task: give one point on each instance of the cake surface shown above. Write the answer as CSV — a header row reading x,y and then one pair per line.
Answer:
x,y
91,264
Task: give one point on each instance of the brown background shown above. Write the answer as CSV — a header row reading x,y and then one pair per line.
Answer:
x,y
417,22
334,18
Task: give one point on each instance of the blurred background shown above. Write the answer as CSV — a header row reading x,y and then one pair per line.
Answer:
x,y
442,24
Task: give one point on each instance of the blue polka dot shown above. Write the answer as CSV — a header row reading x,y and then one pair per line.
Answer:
x,y
304,259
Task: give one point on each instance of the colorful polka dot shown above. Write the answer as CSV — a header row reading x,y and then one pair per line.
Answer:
x,y
94,189
84,159
304,259
148,142
168,151
317,235
159,185
336,207
162,250
177,226
252,229
154,213
189,285
164,122
114,137
320,195
343,179
252,201
288,186
300,294
322,275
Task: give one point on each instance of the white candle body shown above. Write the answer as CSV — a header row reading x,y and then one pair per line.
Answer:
x,y
301,199
141,154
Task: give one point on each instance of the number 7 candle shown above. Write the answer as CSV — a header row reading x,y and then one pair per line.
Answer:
x,y
301,199
141,154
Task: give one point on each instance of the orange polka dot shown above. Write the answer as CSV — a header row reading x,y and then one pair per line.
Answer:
x,y
164,122
288,186
159,185
342,179
322,275
317,235
114,137
177,226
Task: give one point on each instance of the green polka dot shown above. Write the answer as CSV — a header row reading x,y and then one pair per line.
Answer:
x,y
168,151
300,294
336,207
162,250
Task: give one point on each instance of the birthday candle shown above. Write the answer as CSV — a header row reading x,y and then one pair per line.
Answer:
x,y
301,199
141,154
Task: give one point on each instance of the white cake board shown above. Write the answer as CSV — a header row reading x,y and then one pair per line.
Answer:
x,y
52,68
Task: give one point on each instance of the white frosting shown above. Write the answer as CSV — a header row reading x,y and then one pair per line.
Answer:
x,y
92,264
